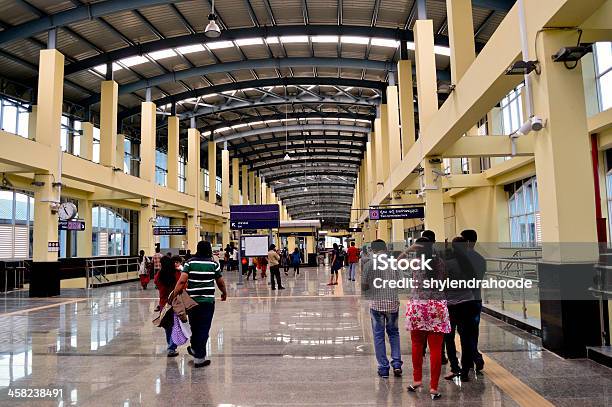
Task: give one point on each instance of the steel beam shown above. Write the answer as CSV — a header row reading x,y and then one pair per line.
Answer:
x,y
300,128
335,185
264,162
300,138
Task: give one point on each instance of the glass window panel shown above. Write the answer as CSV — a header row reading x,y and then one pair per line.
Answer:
x,y
9,118
103,216
604,56
605,91
6,205
23,123
21,207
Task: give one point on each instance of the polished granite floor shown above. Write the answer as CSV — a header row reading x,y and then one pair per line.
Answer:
x,y
309,345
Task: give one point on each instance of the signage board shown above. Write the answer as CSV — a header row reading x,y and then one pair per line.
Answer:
x,y
53,247
169,230
77,225
299,234
406,212
254,216
354,230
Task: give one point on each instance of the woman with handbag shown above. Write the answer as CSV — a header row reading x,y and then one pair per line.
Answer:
x,y
143,271
166,279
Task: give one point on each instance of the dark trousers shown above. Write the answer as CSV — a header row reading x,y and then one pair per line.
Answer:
x,y
253,271
462,319
200,320
275,274
296,269
477,354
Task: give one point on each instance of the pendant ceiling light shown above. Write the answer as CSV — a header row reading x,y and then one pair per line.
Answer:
x,y
212,29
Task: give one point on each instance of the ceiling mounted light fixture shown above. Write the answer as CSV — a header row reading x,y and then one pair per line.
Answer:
x,y
212,29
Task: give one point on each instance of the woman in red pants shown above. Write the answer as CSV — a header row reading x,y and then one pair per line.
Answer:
x,y
427,318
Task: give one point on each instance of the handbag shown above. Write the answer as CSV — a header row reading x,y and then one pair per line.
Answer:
x,y
181,304
164,318
177,335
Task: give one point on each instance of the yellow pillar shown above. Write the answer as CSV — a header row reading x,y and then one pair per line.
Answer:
x,y
87,141
252,188
384,137
397,227
434,203
108,123
461,37
212,172
193,187
379,179
425,71
235,181
258,190
48,118
264,193
148,122
369,171
84,238
176,242
146,220
562,157
225,178
225,192
173,152
406,104
245,185
120,151
32,122
393,129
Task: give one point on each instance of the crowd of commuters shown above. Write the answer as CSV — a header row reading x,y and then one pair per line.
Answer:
x,y
432,316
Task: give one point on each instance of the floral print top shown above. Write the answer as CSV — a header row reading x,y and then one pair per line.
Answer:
x,y
427,315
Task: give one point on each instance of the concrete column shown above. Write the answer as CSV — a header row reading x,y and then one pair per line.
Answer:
x,y
225,178
264,193
461,37
146,220
379,173
84,238
148,123
32,122
193,187
559,98
425,71
397,225
406,104
108,123
173,152
369,172
87,141
252,188
245,185
382,230
235,181
176,242
393,129
120,151
258,190
212,172
434,203
48,118
384,126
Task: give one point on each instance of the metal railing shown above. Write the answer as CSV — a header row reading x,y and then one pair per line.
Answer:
x,y
516,267
18,270
98,269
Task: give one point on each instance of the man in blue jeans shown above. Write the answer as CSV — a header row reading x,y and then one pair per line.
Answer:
x,y
384,310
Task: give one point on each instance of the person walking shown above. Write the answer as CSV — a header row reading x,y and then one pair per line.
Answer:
x,y
143,270
461,310
273,262
384,311
285,260
353,260
251,270
479,266
296,259
336,265
198,278
157,261
165,280
427,317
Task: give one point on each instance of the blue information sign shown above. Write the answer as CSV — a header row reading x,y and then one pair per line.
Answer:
x,y
169,230
254,216
406,212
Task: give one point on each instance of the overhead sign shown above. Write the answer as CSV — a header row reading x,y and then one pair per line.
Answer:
x,y
53,247
77,225
254,216
354,230
169,230
299,234
406,212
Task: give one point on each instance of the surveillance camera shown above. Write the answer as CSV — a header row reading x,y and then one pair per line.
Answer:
x,y
534,123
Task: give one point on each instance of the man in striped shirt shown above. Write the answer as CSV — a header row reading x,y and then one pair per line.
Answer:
x,y
199,276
